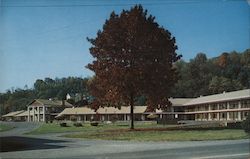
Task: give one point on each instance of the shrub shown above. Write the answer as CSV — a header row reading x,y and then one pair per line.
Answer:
x,y
94,123
114,118
63,124
246,124
77,124
236,125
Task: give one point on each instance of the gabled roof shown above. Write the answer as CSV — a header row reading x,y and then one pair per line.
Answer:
x,y
51,103
25,113
12,114
225,96
104,110
139,109
111,110
75,111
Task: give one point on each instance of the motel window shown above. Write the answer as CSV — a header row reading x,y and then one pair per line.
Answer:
x,y
222,106
205,116
203,108
236,114
40,109
233,115
223,115
233,105
245,104
199,108
245,114
191,109
198,116
206,107
213,106
214,115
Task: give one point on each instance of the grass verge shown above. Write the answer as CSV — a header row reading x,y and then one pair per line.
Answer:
x,y
174,135
4,127
143,132
56,128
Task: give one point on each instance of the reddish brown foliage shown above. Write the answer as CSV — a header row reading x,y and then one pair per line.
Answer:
x,y
133,57
223,60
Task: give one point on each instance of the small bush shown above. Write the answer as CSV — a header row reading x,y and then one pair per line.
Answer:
x,y
77,124
246,124
236,125
114,118
63,124
94,123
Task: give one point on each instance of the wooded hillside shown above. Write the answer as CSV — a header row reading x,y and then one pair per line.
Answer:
x,y
199,76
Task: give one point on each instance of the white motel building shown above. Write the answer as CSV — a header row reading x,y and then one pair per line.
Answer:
x,y
227,106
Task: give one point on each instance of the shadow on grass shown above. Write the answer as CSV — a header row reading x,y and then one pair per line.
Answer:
x,y
16,143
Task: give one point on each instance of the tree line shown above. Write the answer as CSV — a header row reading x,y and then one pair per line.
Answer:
x,y
17,99
203,76
199,76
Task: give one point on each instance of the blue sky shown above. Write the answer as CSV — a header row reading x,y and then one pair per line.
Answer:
x,y
47,38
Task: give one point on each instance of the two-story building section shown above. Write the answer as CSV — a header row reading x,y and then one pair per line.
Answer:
x,y
226,106
45,110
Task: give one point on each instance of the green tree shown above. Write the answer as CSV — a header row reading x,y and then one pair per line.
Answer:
x,y
246,124
133,57
200,74
182,87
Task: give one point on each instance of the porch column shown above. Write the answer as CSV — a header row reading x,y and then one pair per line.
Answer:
x,y
125,117
28,114
209,114
33,108
142,117
38,115
218,114
227,111
239,112
128,117
43,113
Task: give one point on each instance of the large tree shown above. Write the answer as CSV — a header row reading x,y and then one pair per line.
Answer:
x,y
133,57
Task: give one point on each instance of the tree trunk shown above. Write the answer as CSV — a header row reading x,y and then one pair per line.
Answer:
x,y
132,112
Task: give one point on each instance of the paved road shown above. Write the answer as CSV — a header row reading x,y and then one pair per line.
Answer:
x,y
48,146
19,128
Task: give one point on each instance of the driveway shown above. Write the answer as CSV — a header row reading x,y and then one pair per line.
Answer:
x,y
52,146
19,128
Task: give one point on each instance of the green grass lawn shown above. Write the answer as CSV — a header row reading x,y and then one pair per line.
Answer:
x,y
4,127
175,135
56,128
143,132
